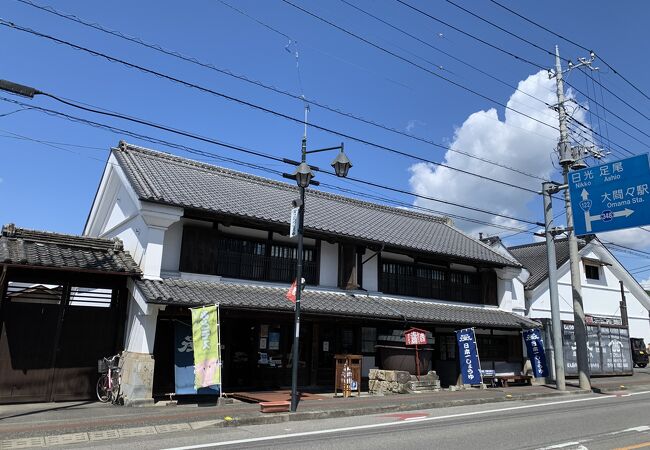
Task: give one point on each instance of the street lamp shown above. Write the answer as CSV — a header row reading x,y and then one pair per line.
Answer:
x,y
303,176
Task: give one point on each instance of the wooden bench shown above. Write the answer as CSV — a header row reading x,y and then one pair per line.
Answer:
x,y
271,407
505,379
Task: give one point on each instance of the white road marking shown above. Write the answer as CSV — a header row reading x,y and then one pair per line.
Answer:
x,y
565,444
397,423
414,418
639,429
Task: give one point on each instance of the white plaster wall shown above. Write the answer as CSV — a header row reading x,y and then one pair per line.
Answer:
x,y
504,294
600,297
122,208
370,272
329,261
141,323
134,235
172,247
518,297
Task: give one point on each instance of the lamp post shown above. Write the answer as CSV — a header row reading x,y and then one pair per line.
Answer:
x,y
303,176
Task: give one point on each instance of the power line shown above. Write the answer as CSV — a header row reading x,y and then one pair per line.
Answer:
x,y
503,29
414,64
59,145
450,55
261,108
594,132
551,54
229,146
246,79
496,47
629,249
571,42
613,114
515,56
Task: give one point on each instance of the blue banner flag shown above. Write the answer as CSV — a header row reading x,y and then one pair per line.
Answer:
x,y
184,362
470,366
535,346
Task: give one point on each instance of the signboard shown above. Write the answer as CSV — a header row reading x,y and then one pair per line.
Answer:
x,y
415,336
184,362
206,345
602,320
611,196
608,350
470,366
535,347
293,230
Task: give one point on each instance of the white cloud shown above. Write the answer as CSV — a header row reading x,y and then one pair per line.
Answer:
x,y
411,124
516,141
635,238
645,284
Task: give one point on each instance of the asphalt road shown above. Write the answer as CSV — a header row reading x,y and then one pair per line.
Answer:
x,y
575,422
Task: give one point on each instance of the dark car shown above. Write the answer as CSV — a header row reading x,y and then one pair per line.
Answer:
x,y
639,352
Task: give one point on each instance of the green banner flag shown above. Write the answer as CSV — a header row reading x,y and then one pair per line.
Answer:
x,y
207,348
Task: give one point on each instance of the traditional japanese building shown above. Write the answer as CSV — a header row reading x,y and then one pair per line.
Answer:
x,y
205,234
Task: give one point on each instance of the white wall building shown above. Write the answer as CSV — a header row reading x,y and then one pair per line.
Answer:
x,y
601,275
203,234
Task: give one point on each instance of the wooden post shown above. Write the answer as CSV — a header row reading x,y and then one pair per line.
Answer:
x,y
417,362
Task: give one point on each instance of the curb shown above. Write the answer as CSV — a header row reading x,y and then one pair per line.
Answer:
x,y
363,411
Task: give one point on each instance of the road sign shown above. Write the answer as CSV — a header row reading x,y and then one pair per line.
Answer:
x,y
293,230
611,196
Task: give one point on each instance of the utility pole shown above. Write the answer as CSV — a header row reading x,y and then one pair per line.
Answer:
x,y
566,161
558,358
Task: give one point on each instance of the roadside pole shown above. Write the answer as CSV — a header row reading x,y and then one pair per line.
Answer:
x,y
566,161
558,357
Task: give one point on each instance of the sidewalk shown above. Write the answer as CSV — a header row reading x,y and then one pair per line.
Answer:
x,y
100,421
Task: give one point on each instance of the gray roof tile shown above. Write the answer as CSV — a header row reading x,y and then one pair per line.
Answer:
x,y
55,250
168,179
534,258
271,298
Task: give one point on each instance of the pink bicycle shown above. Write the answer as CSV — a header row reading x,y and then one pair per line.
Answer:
x,y
108,385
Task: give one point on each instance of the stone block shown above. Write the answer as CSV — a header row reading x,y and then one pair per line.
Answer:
x,y
381,375
390,375
402,376
137,378
373,374
432,375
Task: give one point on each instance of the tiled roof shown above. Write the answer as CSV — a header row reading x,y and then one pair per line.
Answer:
x,y
54,250
534,258
270,298
168,179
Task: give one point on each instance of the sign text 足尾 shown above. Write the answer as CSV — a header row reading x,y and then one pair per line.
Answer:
x,y
611,196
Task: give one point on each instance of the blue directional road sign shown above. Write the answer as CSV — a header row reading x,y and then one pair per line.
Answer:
x,y
611,196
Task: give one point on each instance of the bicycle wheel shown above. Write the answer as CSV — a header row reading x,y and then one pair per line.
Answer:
x,y
103,392
115,392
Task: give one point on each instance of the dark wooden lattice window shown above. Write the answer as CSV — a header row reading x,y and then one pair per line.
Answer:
x,y
206,251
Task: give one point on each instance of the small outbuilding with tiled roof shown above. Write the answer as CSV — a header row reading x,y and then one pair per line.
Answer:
x,y
62,307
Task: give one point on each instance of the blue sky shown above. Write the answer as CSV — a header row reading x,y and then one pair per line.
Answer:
x,y
51,188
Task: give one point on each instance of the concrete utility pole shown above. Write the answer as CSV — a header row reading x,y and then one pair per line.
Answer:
x,y
548,189
566,161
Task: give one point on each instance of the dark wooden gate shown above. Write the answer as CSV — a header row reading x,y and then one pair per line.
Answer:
x,y
53,333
